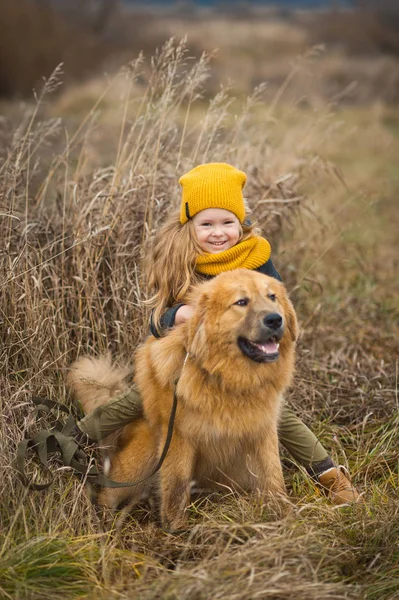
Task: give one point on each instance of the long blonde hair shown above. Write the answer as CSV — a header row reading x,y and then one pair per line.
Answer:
x,y
170,267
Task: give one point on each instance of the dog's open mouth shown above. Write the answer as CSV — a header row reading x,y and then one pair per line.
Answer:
x,y
264,352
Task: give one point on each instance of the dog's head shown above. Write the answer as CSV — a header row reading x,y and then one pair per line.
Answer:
x,y
242,312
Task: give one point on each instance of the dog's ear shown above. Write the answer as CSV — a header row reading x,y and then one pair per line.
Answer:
x,y
291,320
196,328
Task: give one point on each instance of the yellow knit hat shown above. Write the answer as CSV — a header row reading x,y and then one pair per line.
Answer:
x,y
213,185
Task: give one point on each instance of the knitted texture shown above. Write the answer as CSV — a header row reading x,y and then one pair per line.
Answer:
x,y
213,185
250,254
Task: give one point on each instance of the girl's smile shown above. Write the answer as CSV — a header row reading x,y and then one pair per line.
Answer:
x,y
216,229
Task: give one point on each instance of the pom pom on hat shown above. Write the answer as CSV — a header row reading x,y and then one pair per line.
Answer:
x,y
213,185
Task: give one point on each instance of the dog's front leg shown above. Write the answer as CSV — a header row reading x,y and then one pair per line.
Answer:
x,y
175,479
271,480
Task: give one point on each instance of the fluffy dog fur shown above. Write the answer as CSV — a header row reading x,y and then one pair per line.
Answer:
x,y
229,393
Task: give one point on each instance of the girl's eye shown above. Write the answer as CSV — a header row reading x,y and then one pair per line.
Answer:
x,y
242,302
272,297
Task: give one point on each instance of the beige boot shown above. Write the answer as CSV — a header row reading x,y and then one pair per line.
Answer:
x,y
337,485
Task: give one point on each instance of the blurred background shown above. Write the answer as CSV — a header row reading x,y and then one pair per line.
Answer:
x,y
257,41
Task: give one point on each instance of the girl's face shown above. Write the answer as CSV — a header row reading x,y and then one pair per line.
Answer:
x,y
216,229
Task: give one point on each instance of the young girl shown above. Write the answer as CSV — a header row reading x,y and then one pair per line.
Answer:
x,y
207,236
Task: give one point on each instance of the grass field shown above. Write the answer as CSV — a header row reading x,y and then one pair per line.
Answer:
x,y
80,199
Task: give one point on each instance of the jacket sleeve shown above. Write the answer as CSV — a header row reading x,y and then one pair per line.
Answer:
x,y
268,268
167,321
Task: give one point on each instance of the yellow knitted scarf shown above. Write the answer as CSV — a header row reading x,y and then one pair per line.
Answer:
x,y
250,254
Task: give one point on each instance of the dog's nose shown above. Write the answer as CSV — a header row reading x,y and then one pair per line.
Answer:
x,y
273,321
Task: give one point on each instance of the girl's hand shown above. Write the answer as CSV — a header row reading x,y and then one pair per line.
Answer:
x,y
184,314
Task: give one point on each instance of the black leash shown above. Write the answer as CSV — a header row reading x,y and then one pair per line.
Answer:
x,y
58,439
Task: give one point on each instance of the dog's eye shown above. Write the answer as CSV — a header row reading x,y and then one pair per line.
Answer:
x,y
272,297
242,302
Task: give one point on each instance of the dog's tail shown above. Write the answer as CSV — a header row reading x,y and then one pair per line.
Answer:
x,y
94,381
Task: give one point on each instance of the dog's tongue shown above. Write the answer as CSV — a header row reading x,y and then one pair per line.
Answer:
x,y
268,347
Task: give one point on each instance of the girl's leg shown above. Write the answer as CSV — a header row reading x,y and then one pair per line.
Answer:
x,y
117,412
304,446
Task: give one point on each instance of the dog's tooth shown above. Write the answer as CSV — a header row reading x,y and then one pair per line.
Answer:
x,y
268,348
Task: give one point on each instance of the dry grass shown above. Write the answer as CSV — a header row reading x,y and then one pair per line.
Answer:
x,y
78,205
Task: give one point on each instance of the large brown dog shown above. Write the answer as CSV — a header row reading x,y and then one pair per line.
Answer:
x,y
232,362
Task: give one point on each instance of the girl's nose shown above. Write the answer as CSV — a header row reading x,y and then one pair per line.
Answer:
x,y
217,231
